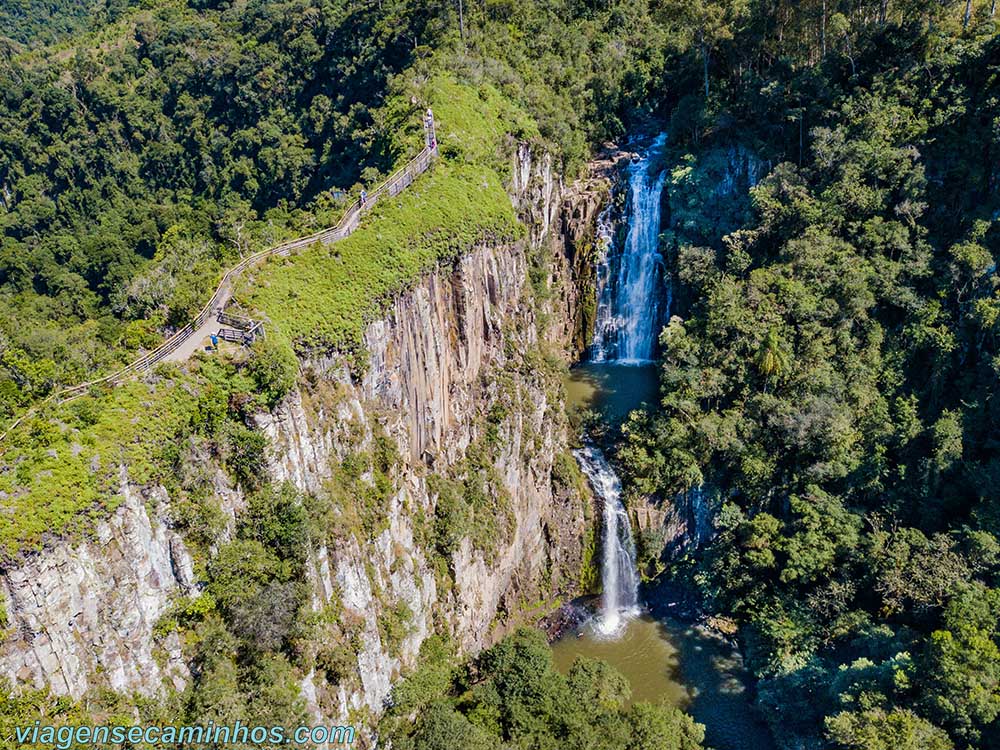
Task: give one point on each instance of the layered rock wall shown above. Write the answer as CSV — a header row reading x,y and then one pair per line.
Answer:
x,y
79,609
456,357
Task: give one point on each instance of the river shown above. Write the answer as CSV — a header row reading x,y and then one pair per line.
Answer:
x,y
663,658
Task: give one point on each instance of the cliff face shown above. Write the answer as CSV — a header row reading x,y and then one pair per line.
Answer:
x,y
459,359
77,608
576,242
434,385
680,523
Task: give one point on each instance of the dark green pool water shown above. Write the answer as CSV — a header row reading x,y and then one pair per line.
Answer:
x,y
612,390
681,665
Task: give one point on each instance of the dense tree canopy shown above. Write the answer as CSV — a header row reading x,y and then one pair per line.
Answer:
x,y
830,376
36,22
832,370
138,160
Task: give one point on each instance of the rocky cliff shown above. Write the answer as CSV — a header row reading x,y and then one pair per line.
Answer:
x,y
436,383
466,361
79,609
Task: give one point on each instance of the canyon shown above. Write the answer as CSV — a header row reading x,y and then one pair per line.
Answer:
x,y
83,614
471,353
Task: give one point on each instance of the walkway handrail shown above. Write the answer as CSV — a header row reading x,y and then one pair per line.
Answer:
x,y
392,186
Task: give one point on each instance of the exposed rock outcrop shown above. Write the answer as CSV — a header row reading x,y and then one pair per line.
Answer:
x,y
574,241
433,385
680,523
79,610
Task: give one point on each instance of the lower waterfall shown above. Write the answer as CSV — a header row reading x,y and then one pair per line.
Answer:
x,y
618,568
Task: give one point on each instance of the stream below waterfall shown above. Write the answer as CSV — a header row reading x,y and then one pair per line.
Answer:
x,y
664,659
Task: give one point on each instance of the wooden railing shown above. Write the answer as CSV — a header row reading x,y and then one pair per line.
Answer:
x,y
236,321
242,335
393,185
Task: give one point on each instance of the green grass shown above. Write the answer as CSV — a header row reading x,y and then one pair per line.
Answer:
x,y
59,474
472,122
322,297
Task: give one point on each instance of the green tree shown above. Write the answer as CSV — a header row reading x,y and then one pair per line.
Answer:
x,y
274,367
664,728
709,22
772,359
899,729
444,728
276,517
963,663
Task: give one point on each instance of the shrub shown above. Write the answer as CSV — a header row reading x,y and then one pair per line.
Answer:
x,y
264,621
240,572
277,519
246,455
274,368
566,475
185,612
452,517
432,679
394,625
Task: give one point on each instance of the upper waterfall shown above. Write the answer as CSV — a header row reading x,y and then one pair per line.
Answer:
x,y
632,296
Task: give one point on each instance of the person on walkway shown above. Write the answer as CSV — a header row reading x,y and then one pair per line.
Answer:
x,y
215,341
429,127
364,197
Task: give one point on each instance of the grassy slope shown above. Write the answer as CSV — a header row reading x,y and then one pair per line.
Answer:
x,y
323,297
59,471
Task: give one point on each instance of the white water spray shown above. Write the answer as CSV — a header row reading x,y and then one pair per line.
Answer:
x,y
621,581
630,280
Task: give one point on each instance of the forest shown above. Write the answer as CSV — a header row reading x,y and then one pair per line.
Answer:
x,y
36,22
828,374
832,375
185,135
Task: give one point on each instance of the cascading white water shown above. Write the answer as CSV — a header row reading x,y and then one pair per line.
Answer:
x,y
606,323
631,295
618,568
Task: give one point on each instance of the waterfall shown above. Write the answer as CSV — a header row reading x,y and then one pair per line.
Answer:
x,y
618,567
631,297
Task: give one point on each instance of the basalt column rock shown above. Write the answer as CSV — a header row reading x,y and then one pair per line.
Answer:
x,y
461,360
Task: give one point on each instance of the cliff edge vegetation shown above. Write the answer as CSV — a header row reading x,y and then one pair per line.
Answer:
x,y
66,463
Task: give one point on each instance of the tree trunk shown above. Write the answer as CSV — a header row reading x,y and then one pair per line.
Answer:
x,y
993,9
461,21
704,62
883,13
822,30
801,114
968,14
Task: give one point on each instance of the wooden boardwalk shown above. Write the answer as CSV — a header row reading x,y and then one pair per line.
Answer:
x,y
189,339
